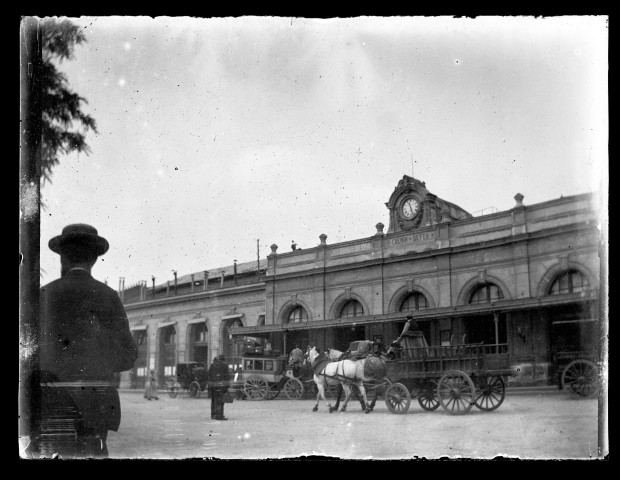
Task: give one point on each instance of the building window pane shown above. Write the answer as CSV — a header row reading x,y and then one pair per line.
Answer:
x,y
200,333
415,301
488,292
569,282
169,335
352,308
298,314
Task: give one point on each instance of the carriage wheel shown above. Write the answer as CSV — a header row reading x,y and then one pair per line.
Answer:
x,y
456,392
427,396
194,389
173,391
581,377
294,389
492,392
397,398
273,390
255,388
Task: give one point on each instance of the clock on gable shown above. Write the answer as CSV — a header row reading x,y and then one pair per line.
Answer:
x,y
412,206
409,208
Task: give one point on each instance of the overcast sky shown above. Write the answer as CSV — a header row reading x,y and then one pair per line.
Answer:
x,y
214,133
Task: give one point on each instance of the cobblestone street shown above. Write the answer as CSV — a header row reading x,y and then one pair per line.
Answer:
x,y
549,425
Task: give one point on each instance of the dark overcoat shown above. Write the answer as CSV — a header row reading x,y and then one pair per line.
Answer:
x,y
85,340
219,375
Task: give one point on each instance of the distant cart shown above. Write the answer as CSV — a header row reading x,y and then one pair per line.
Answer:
x,y
576,356
192,378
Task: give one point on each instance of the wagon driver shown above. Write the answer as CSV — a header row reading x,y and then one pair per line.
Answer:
x,y
296,360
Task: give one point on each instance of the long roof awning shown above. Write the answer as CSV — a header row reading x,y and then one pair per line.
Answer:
x,y
499,306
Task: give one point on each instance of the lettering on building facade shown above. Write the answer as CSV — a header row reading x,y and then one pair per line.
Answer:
x,y
415,237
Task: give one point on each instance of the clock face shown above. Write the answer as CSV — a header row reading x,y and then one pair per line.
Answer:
x,y
410,208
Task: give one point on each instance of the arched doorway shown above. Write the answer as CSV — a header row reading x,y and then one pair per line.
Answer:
x,y
490,328
198,343
345,335
139,372
167,353
232,346
413,302
296,338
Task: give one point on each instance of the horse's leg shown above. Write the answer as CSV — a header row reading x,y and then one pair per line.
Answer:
x,y
318,394
321,387
347,396
363,392
338,395
374,400
318,397
356,392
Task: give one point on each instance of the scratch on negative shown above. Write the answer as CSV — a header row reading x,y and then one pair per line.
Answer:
x,y
29,201
521,427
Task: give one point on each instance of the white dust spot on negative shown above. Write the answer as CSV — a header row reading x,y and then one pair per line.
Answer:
x,y
246,436
127,46
121,82
29,201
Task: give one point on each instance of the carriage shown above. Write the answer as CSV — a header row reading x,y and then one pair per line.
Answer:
x,y
264,377
575,356
191,377
457,377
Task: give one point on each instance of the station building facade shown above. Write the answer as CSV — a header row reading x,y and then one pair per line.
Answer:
x,y
524,281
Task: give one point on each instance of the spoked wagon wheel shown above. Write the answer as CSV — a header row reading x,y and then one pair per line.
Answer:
x,y
294,389
581,377
492,392
397,398
194,389
456,392
427,396
273,390
255,388
173,391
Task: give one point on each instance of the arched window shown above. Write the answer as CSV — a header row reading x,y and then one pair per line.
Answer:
x,y
414,301
572,281
352,308
169,335
298,314
485,293
199,347
199,333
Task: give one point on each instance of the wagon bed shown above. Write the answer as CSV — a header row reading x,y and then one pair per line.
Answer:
x,y
457,377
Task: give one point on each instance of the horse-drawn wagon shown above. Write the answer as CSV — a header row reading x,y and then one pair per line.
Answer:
x,y
191,377
457,377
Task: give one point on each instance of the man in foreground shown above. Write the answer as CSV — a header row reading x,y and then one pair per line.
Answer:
x,y
85,341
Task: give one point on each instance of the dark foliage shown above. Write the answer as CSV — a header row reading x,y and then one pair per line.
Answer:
x,y
61,108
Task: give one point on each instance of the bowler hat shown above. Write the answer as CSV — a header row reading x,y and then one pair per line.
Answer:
x,y
80,236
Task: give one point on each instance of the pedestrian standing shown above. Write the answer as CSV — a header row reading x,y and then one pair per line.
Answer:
x,y
85,343
219,382
151,387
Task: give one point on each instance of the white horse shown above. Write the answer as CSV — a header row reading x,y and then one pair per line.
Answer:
x,y
329,372
334,354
